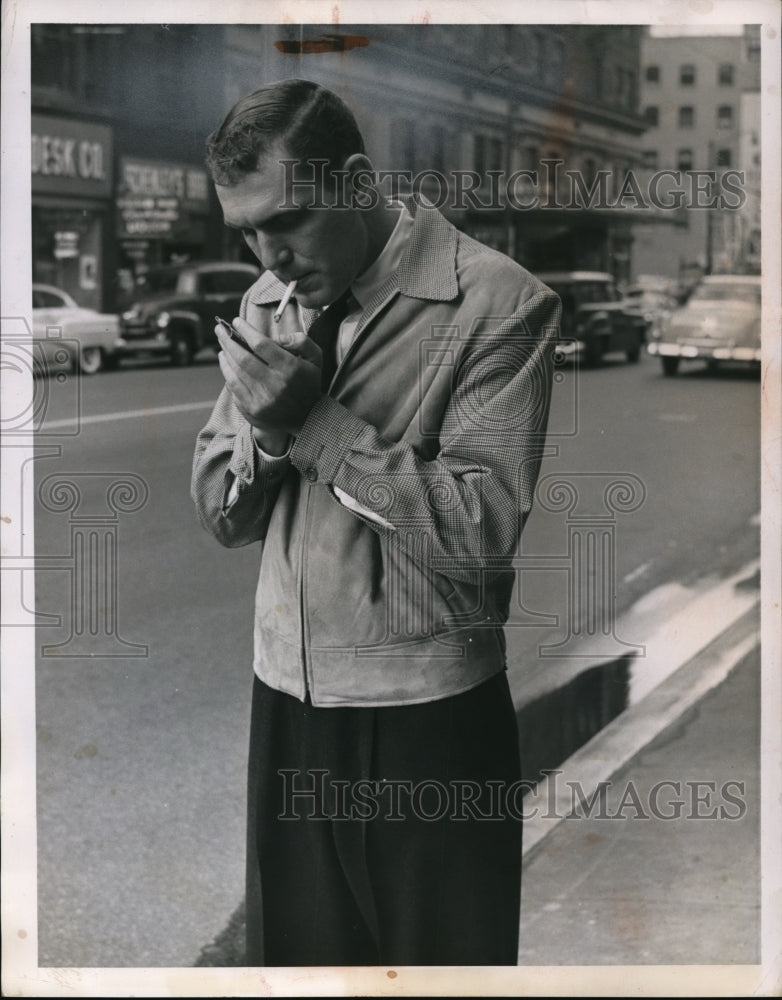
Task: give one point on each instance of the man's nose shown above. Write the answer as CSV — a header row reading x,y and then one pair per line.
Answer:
x,y
273,254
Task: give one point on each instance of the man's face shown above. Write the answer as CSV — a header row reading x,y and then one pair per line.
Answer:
x,y
324,249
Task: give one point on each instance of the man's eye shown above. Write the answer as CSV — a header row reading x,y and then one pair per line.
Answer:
x,y
284,223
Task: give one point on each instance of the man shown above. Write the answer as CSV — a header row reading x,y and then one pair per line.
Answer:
x,y
389,500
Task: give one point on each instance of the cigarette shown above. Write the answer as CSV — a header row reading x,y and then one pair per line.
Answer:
x,y
285,300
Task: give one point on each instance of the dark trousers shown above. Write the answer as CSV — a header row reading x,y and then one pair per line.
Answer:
x,y
373,836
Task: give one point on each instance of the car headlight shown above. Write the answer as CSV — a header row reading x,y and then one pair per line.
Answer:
x,y
130,314
163,319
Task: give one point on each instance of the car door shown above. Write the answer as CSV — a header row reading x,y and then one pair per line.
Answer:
x,y
222,291
51,347
623,330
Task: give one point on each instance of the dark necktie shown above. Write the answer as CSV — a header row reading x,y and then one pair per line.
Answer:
x,y
324,331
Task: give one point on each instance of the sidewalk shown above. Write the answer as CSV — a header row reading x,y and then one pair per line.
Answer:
x,y
665,868
662,866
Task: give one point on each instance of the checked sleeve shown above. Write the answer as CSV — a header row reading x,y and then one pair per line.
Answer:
x,y
233,486
468,504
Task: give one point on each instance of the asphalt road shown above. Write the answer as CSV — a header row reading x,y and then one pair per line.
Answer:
x,y
142,718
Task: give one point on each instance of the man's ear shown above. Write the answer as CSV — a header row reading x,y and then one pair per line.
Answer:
x,y
361,177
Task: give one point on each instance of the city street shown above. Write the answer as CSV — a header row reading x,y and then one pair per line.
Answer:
x,y
143,708
628,159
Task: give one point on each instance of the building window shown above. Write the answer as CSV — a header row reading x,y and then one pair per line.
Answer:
x,y
723,157
724,116
649,159
539,42
495,154
725,74
404,143
652,115
687,75
686,116
625,87
438,148
557,56
684,159
652,74
479,155
597,77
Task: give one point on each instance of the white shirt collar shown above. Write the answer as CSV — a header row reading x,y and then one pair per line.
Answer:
x,y
367,283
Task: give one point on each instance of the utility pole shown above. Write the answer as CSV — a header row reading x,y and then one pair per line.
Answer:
x,y
710,165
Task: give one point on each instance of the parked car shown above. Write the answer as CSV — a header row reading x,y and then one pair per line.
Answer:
x,y
69,336
719,322
173,308
595,319
652,298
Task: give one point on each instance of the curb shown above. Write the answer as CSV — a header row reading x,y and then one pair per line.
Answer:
x,y
619,741
596,761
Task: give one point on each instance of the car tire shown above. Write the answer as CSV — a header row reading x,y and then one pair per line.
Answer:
x,y
90,360
593,352
633,353
181,350
670,365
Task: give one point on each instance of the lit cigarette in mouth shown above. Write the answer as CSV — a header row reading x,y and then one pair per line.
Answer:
x,y
285,300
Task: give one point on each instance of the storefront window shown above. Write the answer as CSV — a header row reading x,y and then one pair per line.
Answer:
x,y
67,248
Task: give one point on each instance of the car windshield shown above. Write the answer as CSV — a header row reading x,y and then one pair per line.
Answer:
x,y
648,297
727,291
165,281
44,298
594,291
577,294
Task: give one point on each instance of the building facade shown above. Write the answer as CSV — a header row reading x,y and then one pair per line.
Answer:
x,y
700,97
489,121
119,115
517,106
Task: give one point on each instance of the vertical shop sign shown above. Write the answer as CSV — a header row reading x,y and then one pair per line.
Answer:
x,y
157,199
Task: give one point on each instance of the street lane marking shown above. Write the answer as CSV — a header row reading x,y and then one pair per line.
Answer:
x,y
100,418
638,571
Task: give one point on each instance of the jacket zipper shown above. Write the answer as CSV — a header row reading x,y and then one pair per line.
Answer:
x,y
305,661
302,596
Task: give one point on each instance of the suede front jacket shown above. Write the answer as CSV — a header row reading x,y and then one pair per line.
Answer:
x,y
435,421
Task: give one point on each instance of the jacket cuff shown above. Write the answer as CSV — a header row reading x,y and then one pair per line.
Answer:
x,y
325,440
248,463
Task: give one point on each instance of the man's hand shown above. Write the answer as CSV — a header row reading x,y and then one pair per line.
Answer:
x,y
276,386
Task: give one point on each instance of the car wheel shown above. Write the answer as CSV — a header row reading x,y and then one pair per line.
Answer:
x,y
90,360
634,353
670,366
593,351
181,350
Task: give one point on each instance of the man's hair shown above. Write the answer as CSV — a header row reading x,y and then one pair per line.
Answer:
x,y
311,122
